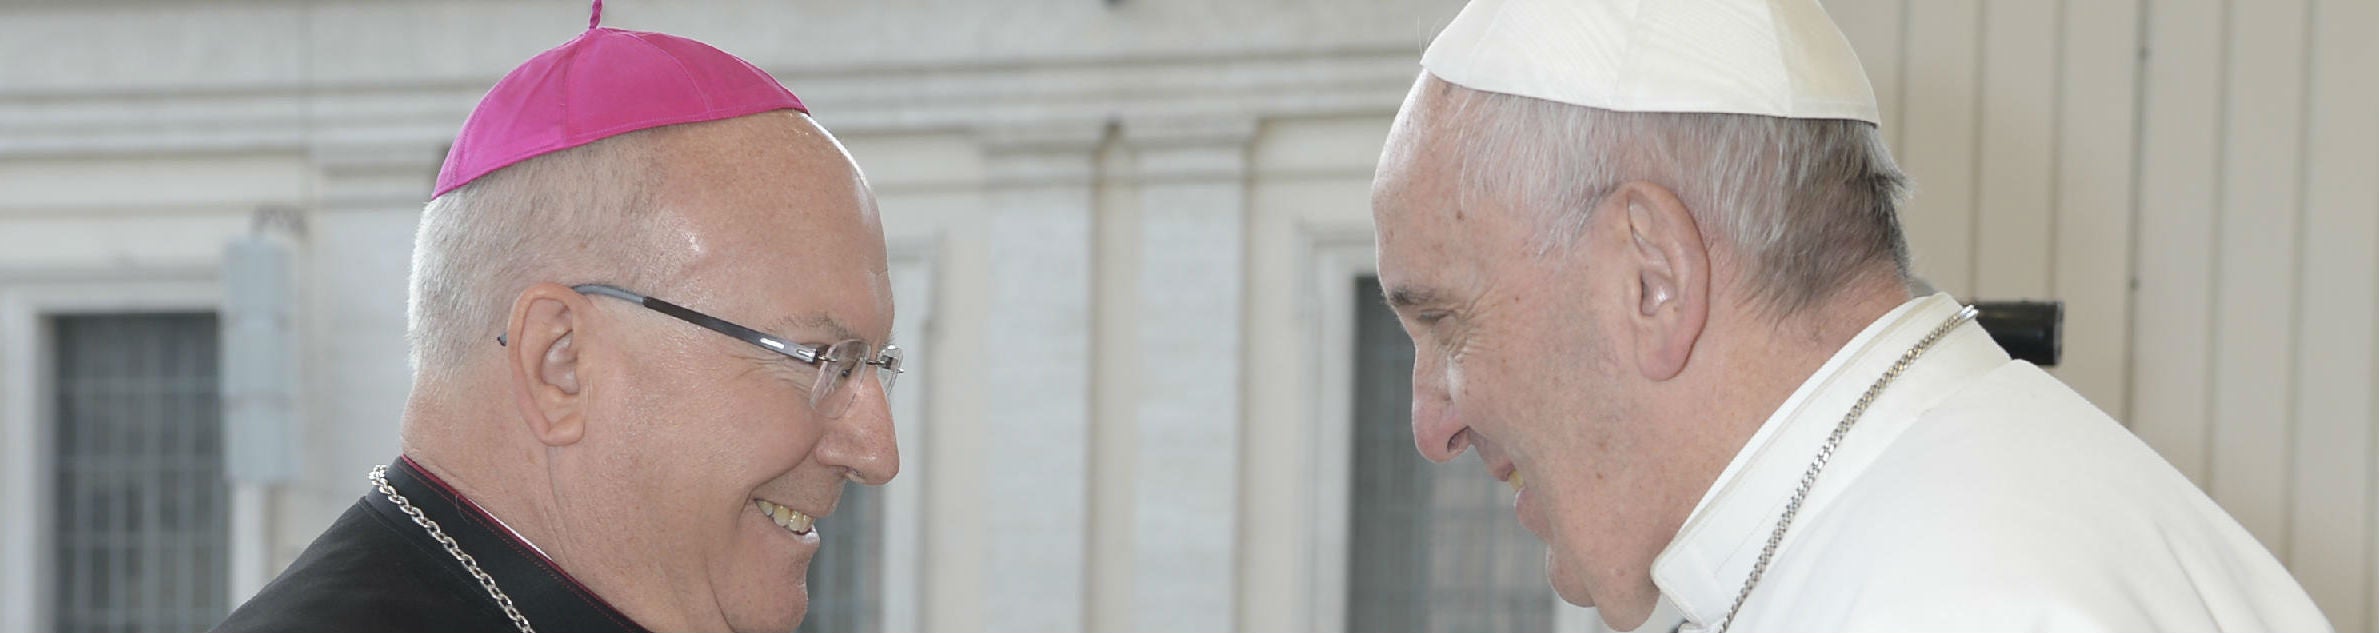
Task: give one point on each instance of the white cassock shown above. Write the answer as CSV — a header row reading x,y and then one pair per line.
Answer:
x,y
1977,493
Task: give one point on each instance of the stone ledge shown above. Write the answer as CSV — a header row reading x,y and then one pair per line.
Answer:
x,y
889,100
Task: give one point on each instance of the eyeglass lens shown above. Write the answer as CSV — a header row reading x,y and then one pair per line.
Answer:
x,y
833,394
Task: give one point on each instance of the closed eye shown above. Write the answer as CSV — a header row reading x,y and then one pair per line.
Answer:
x,y
786,368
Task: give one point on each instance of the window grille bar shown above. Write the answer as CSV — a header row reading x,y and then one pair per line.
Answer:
x,y
138,528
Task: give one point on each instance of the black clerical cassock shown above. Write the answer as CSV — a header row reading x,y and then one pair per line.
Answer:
x,y
375,569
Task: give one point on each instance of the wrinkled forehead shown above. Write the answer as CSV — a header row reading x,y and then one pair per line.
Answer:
x,y
1426,165
1414,195
780,222
1421,144
746,163
1439,236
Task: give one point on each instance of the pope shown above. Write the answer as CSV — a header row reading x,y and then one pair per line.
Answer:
x,y
1650,258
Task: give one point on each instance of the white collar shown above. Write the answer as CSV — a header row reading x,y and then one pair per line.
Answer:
x,y
1702,570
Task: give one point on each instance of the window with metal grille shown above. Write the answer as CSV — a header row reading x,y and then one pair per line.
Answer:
x,y
846,578
1434,548
140,528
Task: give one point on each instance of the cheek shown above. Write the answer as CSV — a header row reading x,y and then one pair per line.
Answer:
x,y
755,417
705,450
1508,366
1549,382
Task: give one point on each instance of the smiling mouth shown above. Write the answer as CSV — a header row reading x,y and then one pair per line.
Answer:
x,y
790,519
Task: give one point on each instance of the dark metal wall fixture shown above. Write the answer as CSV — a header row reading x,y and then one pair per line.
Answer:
x,y
2031,331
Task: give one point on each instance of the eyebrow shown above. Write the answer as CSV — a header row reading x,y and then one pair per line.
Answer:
x,y
1402,297
821,321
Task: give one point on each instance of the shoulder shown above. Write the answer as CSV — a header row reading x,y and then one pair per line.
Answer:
x,y
2018,505
362,574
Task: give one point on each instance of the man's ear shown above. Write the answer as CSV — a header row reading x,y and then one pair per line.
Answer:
x,y
1671,294
542,354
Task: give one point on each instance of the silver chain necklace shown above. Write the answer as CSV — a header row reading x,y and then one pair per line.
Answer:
x,y
379,479
1809,479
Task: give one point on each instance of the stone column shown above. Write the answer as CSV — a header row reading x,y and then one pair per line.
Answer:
x,y
1036,372
352,281
1192,177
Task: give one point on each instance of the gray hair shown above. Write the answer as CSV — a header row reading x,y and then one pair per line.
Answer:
x,y
1809,204
579,215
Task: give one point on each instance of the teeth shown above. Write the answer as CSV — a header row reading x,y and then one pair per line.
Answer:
x,y
792,520
1515,481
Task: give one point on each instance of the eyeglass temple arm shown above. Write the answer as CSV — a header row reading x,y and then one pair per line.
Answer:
x,y
745,334
715,324
598,289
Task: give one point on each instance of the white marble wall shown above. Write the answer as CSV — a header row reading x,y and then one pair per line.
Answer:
x,y
1192,180
137,135
1037,367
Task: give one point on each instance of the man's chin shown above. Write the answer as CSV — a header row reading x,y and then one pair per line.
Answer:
x,y
1565,584
768,592
776,617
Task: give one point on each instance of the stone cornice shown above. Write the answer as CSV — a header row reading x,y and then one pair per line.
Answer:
x,y
1060,153
1204,148
969,96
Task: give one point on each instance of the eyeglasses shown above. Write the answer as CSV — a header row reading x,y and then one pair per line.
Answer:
x,y
830,396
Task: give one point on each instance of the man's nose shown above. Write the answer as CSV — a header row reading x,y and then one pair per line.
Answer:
x,y
862,442
1438,430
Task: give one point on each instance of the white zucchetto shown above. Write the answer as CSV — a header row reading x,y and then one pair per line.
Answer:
x,y
1782,58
